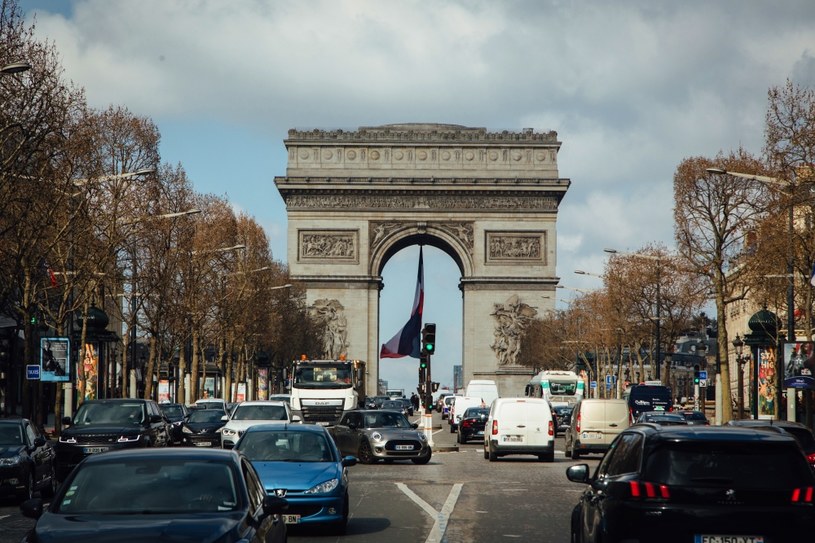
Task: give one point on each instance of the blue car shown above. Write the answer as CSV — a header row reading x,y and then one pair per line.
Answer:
x,y
301,463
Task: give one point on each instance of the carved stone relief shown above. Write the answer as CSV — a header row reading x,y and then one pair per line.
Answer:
x,y
512,318
331,315
519,247
329,245
463,231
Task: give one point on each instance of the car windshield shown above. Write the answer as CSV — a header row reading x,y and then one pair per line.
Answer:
x,y
759,466
475,412
205,415
386,420
126,413
694,415
285,446
259,412
172,410
10,434
146,486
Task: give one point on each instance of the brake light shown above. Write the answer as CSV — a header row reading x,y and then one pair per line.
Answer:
x,y
551,428
802,495
495,427
811,458
577,424
466,423
649,491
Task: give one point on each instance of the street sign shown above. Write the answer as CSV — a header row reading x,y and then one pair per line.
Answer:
x,y
32,372
593,384
703,382
702,376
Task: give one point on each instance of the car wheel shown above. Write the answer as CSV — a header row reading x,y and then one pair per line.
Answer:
x,y
453,428
568,451
492,456
53,484
28,491
575,454
422,459
459,438
366,455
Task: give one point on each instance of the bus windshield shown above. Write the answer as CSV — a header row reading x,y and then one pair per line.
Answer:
x,y
336,375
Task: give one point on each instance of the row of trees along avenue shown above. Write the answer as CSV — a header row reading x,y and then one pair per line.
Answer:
x,y
733,242
89,216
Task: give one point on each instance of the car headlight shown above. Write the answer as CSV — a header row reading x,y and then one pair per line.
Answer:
x,y
323,488
177,423
185,430
128,439
63,439
229,432
422,437
11,460
376,436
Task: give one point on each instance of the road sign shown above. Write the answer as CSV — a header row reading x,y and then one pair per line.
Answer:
x,y
702,382
593,384
32,372
702,376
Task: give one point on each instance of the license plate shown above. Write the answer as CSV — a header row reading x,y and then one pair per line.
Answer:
x,y
404,447
91,450
700,538
291,519
513,439
590,435
203,444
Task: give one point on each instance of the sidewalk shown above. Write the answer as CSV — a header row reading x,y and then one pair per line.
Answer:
x,y
442,440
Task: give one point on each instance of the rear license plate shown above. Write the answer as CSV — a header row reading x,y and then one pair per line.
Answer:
x,y
404,447
203,444
291,519
513,439
92,450
700,538
590,435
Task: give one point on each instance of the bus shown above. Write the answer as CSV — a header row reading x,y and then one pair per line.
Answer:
x,y
558,387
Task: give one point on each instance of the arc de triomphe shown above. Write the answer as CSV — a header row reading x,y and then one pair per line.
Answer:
x,y
487,199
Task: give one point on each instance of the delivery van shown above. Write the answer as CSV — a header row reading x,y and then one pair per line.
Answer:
x,y
486,389
520,426
459,406
594,425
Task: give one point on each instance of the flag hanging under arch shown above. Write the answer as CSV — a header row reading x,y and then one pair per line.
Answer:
x,y
406,341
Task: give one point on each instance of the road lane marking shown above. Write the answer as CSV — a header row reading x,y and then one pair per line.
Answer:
x,y
440,517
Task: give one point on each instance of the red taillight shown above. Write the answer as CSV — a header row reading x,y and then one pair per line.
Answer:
x,y
802,495
811,458
495,427
649,491
466,423
577,424
551,428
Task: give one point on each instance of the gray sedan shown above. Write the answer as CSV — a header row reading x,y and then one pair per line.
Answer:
x,y
371,435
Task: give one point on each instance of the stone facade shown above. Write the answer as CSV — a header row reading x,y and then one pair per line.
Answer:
x,y
487,199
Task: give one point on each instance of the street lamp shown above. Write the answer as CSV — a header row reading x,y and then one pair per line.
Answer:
x,y
581,272
778,184
658,334
15,68
738,345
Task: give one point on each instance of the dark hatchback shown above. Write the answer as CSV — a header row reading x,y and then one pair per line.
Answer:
x,y
687,484
104,425
201,429
172,495
26,460
472,424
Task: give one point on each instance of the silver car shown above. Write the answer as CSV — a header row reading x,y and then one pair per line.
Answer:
x,y
384,434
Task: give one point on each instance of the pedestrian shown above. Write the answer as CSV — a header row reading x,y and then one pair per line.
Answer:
x,y
414,400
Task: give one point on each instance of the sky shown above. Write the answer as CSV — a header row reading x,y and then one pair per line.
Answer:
x,y
632,88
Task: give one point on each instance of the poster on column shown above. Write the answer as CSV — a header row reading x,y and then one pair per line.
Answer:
x,y
766,386
240,396
55,359
263,383
164,390
88,371
799,365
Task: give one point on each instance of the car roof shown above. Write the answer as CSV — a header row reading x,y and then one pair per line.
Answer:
x,y
700,433
291,427
164,454
262,402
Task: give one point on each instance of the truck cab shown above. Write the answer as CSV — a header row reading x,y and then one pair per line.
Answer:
x,y
322,390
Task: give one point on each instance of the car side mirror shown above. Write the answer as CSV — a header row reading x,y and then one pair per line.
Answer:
x,y
353,425
67,421
578,473
39,441
156,418
296,418
348,461
225,418
415,425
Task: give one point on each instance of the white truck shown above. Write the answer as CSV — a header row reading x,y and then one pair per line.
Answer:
x,y
322,390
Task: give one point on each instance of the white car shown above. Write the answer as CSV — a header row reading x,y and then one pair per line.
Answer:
x,y
250,413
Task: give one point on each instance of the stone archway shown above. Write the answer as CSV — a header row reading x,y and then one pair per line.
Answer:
x,y
487,199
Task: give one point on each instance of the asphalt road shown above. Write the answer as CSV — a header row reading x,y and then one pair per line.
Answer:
x,y
457,497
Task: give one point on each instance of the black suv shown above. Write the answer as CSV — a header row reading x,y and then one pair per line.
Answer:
x,y
103,425
696,483
26,460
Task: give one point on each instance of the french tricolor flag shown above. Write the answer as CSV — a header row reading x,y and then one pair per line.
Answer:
x,y
406,341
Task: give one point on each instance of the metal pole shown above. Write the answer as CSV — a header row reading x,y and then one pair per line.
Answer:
x,y
659,323
790,277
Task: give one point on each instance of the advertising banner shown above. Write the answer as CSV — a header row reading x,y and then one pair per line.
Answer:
x,y
766,386
55,359
263,384
799,365
241,394
88,372
164,390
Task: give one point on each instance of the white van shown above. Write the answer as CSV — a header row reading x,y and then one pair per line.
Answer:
x,y
520,426
485,389
459,406
594,425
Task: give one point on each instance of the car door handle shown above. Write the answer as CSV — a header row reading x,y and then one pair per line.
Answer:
x,y
613,425
521,426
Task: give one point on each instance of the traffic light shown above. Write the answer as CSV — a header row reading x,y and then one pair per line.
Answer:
x,y
423,362
435,386
696,374
429,339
